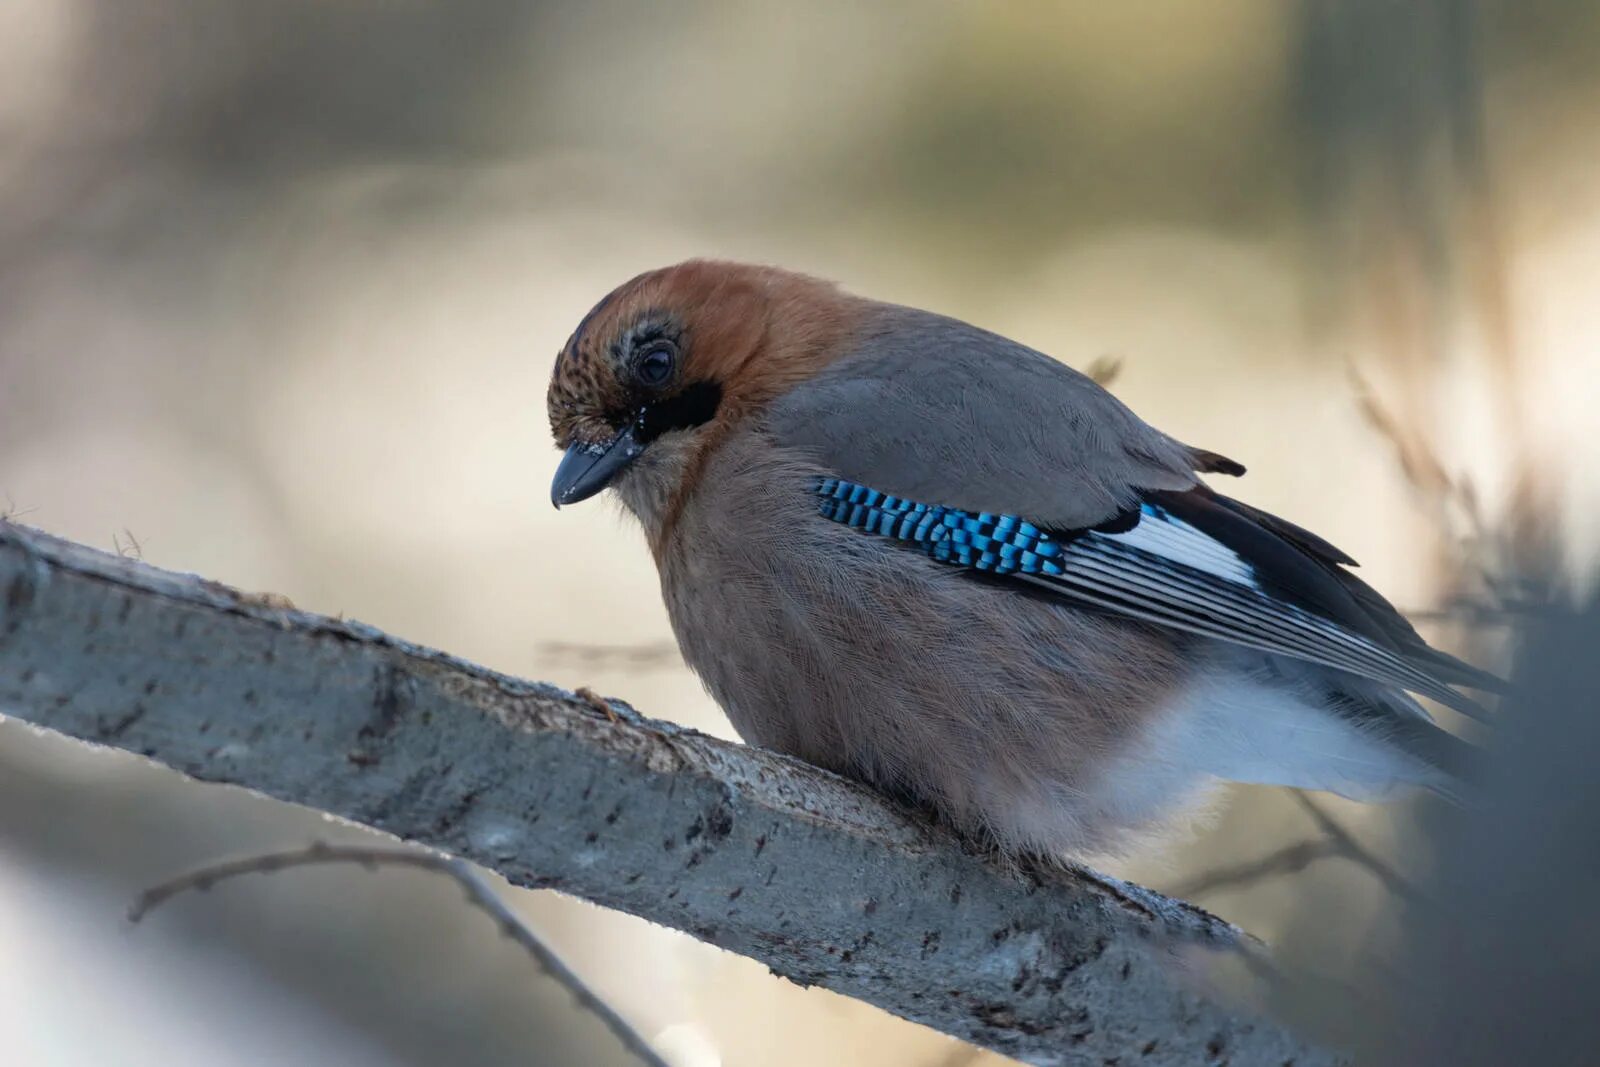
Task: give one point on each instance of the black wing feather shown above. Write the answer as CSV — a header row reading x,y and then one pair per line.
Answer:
x,y
1304,568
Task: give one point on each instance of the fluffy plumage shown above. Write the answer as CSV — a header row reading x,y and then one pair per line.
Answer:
x,y
926,556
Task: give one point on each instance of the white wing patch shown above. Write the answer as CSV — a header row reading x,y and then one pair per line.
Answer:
x,y
1162,534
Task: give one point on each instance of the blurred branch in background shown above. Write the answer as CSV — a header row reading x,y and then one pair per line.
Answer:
x,y
653,655
478,894
740,847
1334,842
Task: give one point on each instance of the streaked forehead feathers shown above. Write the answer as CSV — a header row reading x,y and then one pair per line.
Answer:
x,y
580,367
587,381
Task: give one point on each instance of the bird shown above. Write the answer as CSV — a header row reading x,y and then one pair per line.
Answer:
x,y
937,561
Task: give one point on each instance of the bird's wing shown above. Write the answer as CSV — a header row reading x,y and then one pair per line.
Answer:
x,y
933,409
988,455
1154,564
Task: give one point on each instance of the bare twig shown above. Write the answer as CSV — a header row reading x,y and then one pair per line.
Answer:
x,y
1465,612
1335,842
128,547
10,513
477,890
1357,853
1290,859
651,655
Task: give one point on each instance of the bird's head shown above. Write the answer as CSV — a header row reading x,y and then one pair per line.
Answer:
x,y
666,364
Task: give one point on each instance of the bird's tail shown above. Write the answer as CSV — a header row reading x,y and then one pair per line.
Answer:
x,y
1456,763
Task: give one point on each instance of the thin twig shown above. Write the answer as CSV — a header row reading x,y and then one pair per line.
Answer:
x,y
1335,842
132,549
1356,852
654,654
1468,613
1290,859
11,512
479,894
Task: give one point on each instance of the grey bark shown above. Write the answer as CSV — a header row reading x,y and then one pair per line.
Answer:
x,y
821,880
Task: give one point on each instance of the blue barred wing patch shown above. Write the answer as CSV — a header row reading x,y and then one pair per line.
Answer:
x,y
1002,544
1159,569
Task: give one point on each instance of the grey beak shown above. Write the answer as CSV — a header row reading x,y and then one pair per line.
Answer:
x,y
587,469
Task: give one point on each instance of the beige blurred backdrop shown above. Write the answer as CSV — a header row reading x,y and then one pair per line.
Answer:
x,y
281,283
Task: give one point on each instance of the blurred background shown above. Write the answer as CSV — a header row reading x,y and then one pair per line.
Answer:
x,y
281,284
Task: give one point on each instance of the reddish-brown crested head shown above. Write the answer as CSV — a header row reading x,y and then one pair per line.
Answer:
x,y
748,332
659,371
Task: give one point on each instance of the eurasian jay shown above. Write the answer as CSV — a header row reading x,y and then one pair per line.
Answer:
x,y
927,557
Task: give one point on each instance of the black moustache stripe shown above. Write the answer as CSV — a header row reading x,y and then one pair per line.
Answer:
x,y
693,405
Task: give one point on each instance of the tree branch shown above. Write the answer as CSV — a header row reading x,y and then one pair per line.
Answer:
x,y
818,878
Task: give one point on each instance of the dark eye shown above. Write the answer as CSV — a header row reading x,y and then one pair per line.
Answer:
x,y
655,366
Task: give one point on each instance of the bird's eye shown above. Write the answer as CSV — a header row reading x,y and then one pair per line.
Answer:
x,y
655,366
